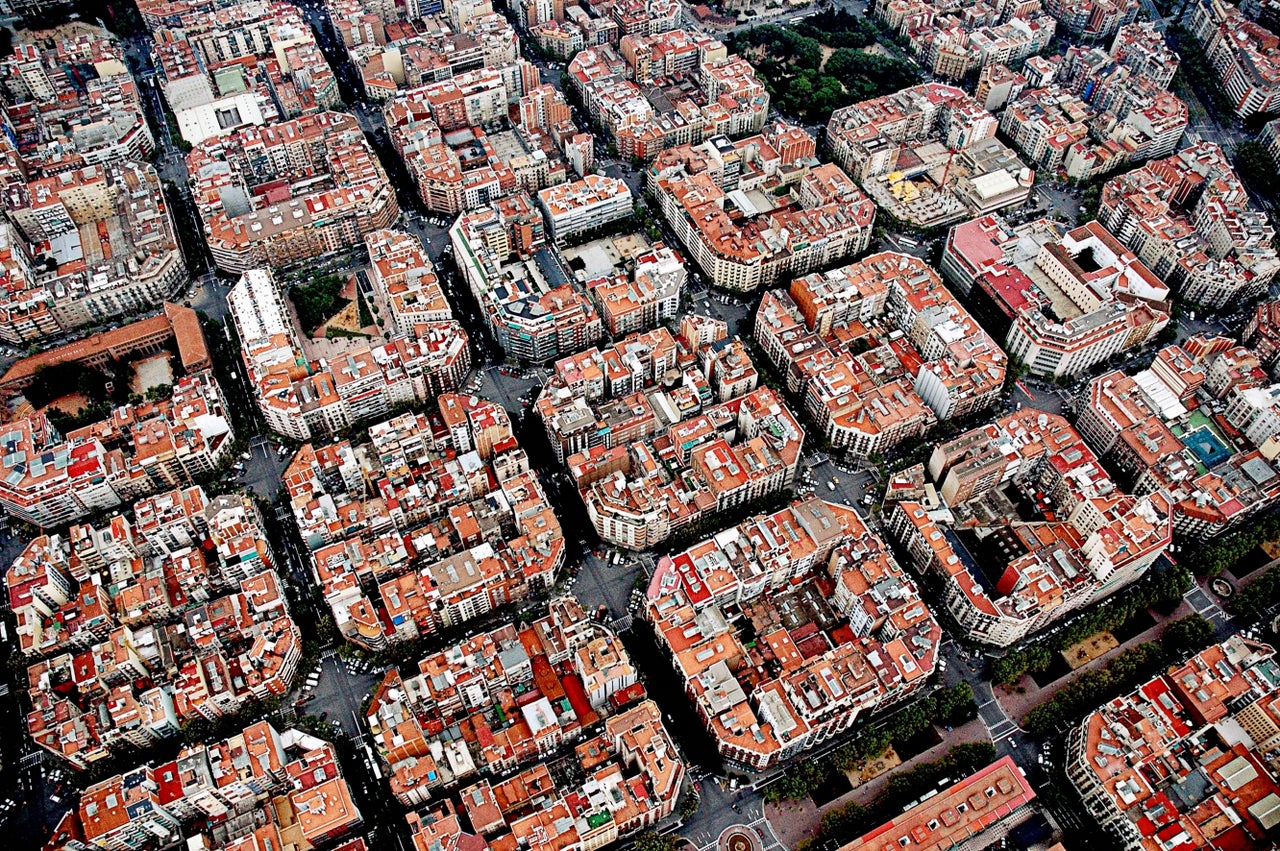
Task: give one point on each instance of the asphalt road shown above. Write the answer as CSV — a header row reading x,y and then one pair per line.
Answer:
x,y
736,311
598,582
1033,393
842,483
339,693
510,387
264,468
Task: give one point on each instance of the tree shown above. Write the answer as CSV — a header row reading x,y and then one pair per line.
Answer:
x,y
317,300
1032,659
1185,636
1254,599
1256,168
956,705
1091,688
851,820
802,88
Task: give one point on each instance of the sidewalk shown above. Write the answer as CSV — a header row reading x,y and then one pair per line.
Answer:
x,y
1017,704
794,821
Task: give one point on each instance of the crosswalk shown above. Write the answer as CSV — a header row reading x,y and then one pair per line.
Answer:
x,y
1001,730
997,723
1206,607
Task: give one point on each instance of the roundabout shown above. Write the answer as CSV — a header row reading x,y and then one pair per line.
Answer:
x,y
739,838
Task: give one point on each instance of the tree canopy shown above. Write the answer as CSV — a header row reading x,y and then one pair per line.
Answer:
x,y
790,60
317,300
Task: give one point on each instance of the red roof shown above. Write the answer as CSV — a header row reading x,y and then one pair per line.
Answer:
x,y
577,694
630,694
1010,285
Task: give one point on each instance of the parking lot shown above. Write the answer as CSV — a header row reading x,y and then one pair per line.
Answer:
x,y
840,483
513,388
335,690
262,469
734,311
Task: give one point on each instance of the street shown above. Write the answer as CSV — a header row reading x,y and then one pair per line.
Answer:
x,y
602,576
264,467
339,693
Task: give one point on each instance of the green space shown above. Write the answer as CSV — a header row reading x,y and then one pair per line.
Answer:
x,y
845,824
366,318
1253,600
1196,73
651,840
1121,675
1256,168
1158,589
93,390
317,300
818,66
1211,557
802,778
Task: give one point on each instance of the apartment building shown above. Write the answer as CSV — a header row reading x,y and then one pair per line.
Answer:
x,y
1243,53
475,98
626,777
700,91
646,296
58,479
922,357
467,168
1092,20
769,687
84,245
60,119
928,154
585,205
527,299
1128,120
642,360
410,47
260,788
997,85
751,211
575,671
234,66
1131,758
1200,425
436,522
288,193
1142,49
1189,219
1062,301
1262,334
300,396
405,281
151,632
981,808
952,40
1002,583
657,433
1102,80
